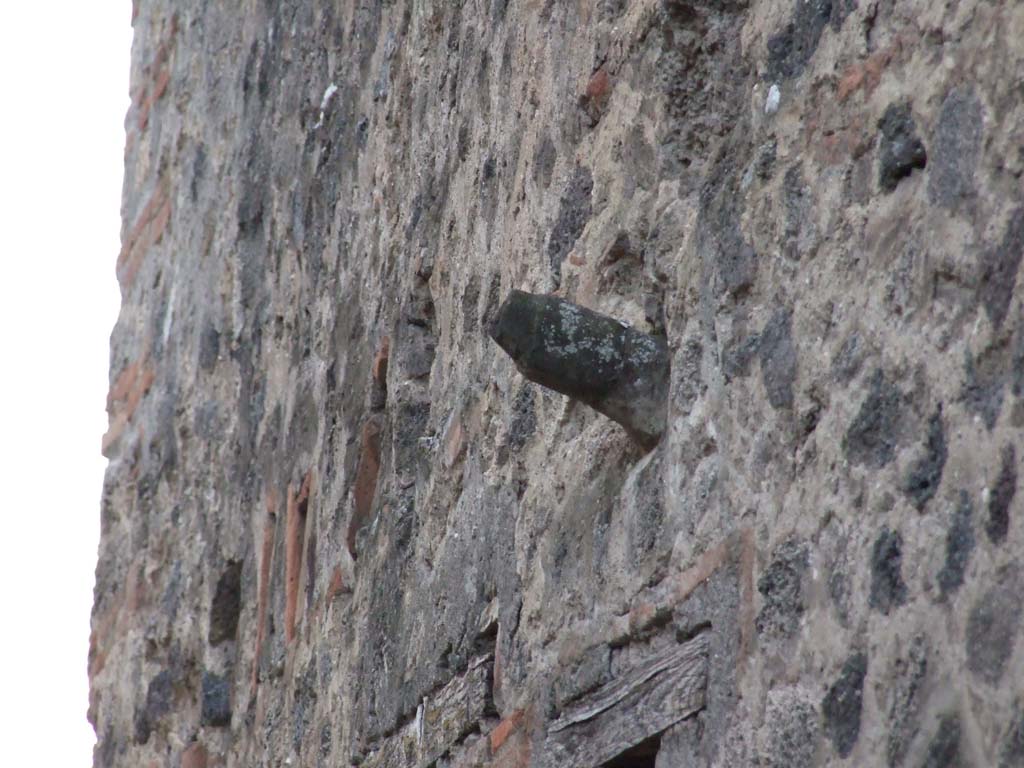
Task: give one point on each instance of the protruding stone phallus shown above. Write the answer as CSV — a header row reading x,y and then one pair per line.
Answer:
x,y
616,370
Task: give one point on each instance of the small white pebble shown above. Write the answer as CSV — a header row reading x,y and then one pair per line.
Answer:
x,y
328,93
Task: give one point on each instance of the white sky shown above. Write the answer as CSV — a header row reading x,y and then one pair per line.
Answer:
x,y
63,96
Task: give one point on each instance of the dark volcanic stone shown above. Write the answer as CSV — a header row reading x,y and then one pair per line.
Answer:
x,y
841,707
778,359
900,151
764,163
1001,496
993,624
984,380
544,161
730,259
923,479
1017,363
839,591
871,437
840,10
791,49
523,422
1013,747
848,359
593,358
109,746
227,601
252,200
304,703
944,749
999,266
781,585
216,701
793,730
573,214
689,385
800,234
906,694
737,356
159,696
959,545
887,588
955,149
209,347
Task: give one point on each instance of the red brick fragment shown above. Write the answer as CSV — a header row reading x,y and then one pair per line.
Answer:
x,y
157,72
867,74
146,232
595,97
337,586
504,729
295,533
513,744
366,480
160,85
851,80
195,756
455,443
641,616
143,117
600,85
124,397
263,594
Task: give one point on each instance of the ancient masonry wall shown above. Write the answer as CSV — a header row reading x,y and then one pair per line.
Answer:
x,y
340,528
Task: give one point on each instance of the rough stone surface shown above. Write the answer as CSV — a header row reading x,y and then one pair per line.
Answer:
x,y
159,700
958,134
888,590
1001,497
1012,753
226,604
778,360
841,708
945,749
905,695
922,482
992,626
900,150
574,210
591,357
781,586
216,701
340,528
872,436
959,546
999,267
793,727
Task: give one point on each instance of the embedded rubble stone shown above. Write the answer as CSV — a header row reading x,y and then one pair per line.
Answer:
x,y
598,360
900,150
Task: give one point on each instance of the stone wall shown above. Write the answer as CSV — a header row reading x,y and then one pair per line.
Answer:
x,y
340,528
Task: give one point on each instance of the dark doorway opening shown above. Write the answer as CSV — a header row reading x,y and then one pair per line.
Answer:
x,y
642,755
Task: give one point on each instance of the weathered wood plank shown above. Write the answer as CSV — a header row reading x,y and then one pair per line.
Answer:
x,y
642,702
443,720
454,711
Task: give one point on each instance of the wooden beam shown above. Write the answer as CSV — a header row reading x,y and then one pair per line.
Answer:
x,y
645,700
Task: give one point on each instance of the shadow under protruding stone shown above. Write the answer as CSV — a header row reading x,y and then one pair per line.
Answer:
x,y
616,370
